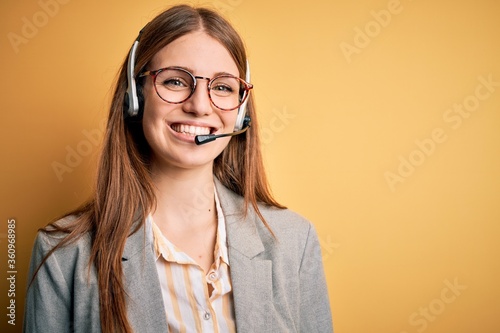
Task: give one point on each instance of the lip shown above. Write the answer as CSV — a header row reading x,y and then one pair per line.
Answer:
x,y
187,137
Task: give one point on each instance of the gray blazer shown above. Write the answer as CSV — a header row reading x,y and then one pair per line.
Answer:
x,y
278,284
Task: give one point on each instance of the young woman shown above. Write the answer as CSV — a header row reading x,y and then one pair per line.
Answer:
x,y
182,233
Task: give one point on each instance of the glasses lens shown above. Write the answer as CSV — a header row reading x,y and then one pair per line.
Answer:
x,y
226,92
174,85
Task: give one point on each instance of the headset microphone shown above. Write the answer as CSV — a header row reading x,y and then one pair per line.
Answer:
x,y
202,139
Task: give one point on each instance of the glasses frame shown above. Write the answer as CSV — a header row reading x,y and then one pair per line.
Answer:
x,y
246,85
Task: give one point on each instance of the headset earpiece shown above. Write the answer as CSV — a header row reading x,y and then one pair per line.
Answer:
x,y
247,122
241,119
131,104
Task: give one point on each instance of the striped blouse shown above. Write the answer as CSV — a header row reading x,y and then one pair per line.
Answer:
x,y
188,305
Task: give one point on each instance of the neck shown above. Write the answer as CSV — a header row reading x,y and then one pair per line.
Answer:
x,y
186,212
185,197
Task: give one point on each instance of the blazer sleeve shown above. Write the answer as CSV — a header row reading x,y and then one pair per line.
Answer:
x,y
48,298
315,315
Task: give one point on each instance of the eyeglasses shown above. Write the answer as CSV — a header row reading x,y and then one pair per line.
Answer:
x,y
176,85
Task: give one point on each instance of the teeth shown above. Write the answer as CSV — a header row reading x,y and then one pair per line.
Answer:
x,y
190,130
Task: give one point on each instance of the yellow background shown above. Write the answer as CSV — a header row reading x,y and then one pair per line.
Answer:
x,y
336,125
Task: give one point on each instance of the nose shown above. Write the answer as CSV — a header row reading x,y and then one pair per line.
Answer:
x,y
199,103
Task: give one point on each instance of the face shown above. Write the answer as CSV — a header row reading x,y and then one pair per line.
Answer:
x,y
170,129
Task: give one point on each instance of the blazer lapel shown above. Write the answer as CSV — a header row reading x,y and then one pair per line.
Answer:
x,y
145,308
251,273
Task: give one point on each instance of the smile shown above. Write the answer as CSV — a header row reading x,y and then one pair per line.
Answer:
x,y
190,130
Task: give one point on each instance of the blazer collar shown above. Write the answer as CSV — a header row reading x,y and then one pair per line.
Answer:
x,y
242,232
251,270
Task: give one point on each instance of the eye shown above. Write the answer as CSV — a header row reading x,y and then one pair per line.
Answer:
x,y
222,88
175,83
225,86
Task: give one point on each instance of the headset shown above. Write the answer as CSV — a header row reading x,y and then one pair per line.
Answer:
x,y
134,100
132,106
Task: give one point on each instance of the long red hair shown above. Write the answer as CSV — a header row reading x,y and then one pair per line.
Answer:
x,y
124,193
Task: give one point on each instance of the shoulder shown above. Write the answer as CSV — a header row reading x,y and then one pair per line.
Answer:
x,y
294,236
285,221
51,237
55,232
61,281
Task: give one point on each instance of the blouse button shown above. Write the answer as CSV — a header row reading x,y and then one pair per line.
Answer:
x,y
206,316
212,276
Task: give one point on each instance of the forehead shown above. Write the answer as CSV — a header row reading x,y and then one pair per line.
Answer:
x,y
197,51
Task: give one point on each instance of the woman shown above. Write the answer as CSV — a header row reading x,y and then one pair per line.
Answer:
x,y
180,236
